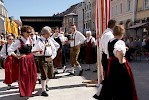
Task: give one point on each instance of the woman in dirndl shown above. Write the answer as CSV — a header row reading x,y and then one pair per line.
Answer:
x,y
119,84
60,39
27,66
10,63
90,42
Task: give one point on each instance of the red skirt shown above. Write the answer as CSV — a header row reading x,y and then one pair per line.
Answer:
x,y
27,75
58,59
118,72
89,56
11,70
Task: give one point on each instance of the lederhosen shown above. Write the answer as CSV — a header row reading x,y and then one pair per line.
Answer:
x,y
58,59
27,70
46,65
74,53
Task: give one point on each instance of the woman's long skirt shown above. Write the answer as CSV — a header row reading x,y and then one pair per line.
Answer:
x,y
11,70
58,59
27,75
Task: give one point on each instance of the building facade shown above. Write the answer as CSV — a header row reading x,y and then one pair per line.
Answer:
x,y
3,15
74,15
123,11
80,13
89,15
142,14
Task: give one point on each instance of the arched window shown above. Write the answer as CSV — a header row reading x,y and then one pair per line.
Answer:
x,y
146,4
128,5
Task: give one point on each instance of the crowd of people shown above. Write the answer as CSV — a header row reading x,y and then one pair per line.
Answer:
x,y
37,56
136,46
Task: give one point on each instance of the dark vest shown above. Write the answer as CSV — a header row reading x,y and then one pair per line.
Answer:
x,y
25,48
58,41
111,47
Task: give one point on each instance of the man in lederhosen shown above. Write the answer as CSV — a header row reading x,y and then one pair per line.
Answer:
x,y
75,42
46,50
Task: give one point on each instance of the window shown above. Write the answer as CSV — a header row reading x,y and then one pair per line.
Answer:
x,y
128,5
116,9
112,12
90,6
87,15
121,8
90,14
146,4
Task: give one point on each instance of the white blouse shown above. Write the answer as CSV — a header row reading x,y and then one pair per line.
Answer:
x,y
92,39
3,51
17,45
119,46
61,36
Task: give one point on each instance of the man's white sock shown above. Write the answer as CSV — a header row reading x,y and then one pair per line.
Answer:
x,y
43,84
80,68
88,66
47,80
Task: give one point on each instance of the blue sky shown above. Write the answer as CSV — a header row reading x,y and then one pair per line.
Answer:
x,y
19,8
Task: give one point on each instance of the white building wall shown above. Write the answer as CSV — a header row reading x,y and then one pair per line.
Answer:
x,y
80,17
3,15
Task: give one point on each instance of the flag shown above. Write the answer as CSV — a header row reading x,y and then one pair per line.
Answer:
x,y
102,18
8,25
14,28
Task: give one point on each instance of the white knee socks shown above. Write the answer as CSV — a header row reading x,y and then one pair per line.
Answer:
x,y
43,84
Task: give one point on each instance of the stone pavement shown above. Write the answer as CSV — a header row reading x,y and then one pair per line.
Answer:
x,y
66,87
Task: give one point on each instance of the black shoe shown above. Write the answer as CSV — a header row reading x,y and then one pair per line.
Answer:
x,y
9,87
96,97
73,74
81,72
21,95
44,93
47,88
88,69
39,81
56,72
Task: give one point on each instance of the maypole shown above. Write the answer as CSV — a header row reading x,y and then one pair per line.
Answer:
x,y
102,18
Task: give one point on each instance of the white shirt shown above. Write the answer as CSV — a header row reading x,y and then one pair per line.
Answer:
x,y
79,39
61,36
106,37
3,51
51,50
17,45
55,43
34,38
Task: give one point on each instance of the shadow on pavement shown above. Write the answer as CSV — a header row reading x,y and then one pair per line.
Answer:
x,y
67,86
